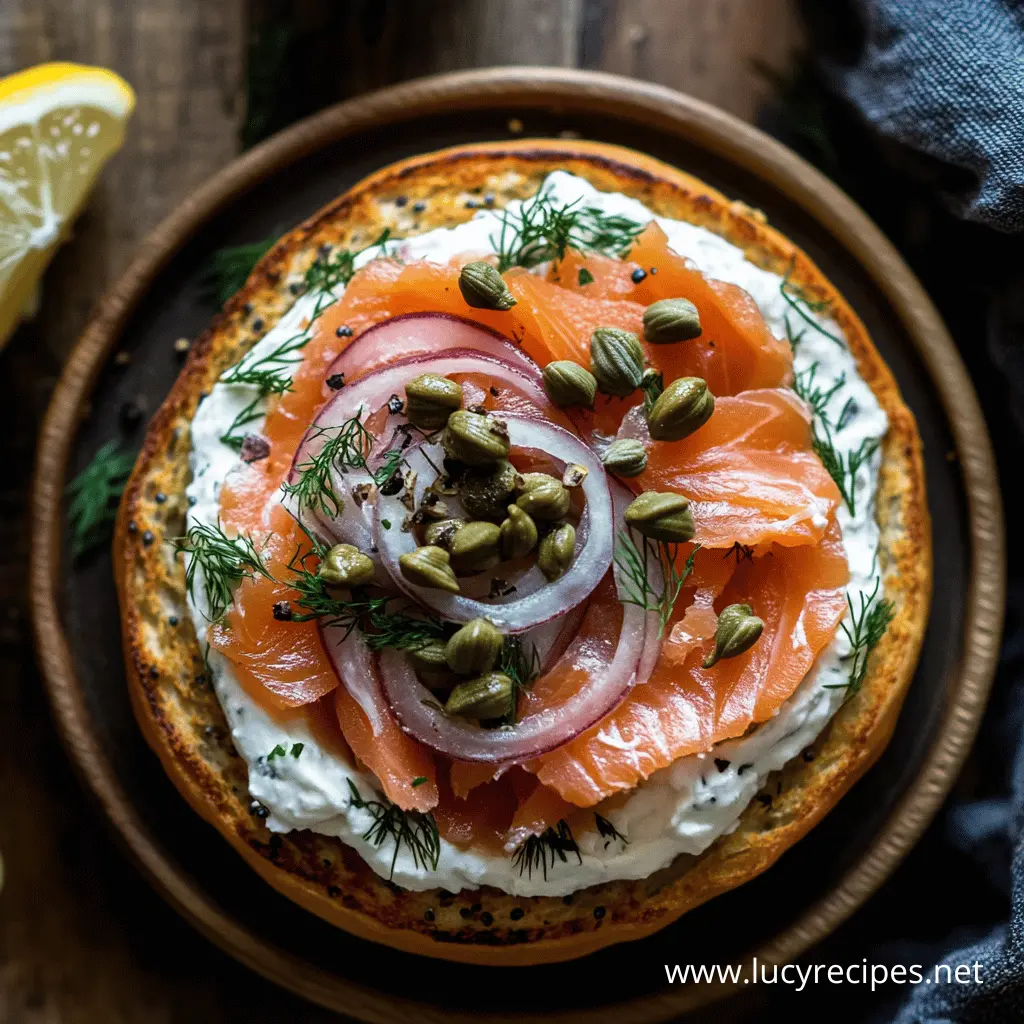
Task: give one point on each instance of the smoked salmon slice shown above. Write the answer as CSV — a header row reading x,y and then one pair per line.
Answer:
x,y
800,594
750,472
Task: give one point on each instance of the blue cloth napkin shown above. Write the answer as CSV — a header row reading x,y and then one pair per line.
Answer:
x,y
945,78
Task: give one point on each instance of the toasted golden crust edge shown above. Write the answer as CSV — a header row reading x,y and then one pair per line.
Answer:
x,y
176,715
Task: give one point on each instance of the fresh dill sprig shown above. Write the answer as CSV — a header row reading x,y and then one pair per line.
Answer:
x,y
541,231
635,564
93,494
843,468
868,622
223,562
368,614
522,667
326,272
229,268
413,829
555,843
816,395
346,447
608,831
803,306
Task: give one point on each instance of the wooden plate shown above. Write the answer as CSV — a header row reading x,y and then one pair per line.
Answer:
x,y
817,884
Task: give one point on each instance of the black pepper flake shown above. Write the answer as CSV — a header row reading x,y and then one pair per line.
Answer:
x,y
428,914
148,537
344,331
257,324
133,527
336,381
654,270
743,768
471,204
489,198
517,913
465,913
400,201
418,207
599,912
638,275
721,764
283,611
333,891
395,405
486,919
159,497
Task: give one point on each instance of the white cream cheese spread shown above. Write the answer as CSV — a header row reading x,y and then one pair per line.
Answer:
x,y
682,808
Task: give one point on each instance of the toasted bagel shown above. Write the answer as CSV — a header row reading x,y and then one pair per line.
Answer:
x,y
183,721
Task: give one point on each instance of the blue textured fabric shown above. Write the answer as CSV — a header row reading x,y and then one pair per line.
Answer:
x,y
946,78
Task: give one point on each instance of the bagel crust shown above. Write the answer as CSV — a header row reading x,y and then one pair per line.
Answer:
x,y
183,722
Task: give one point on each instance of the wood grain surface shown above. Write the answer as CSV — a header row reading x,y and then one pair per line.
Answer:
x,y
82,937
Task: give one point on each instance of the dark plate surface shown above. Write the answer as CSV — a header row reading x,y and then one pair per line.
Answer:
x,y
855,846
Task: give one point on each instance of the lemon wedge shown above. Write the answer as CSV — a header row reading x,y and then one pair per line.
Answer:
x,y
59,124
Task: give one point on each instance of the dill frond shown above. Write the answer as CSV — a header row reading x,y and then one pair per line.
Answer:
x,y
635,563
522,667
843,468
555,843
93,495
608,831
413,829
803,306
223,561
869,621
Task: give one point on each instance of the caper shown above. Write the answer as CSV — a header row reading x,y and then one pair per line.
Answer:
x,y
439,534
484,288
430,399
616,360
475,439
543,497
671,320
567,383
661,515
475,545
554,556
738,630
487,696
518,533
474,648
429,567
625,457
486,495
430,660
682,408
346,566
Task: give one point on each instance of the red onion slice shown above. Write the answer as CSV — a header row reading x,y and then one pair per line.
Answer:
x,y
354,664
365,397
420,335
538,600
610,679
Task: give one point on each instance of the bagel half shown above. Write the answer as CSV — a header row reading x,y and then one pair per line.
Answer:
x,y
183,721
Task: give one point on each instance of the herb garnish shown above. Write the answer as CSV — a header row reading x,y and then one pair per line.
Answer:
x,y
584,277
94,493
868,623
556,842
816,395
414,829
635,565
419,780
803,305
608,831
842,468
346,447
326,272
229,268
223,562
278,751
541,231
521,667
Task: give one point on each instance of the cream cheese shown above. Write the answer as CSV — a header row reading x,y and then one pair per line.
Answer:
x,y
680,809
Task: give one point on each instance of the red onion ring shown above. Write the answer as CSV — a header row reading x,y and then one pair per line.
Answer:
x,y
353,662
366,396
539,600
421,335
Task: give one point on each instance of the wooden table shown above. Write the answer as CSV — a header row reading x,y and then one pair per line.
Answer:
x,y
82,936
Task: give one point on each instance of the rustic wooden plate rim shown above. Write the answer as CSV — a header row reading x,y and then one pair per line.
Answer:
x,y
531,88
